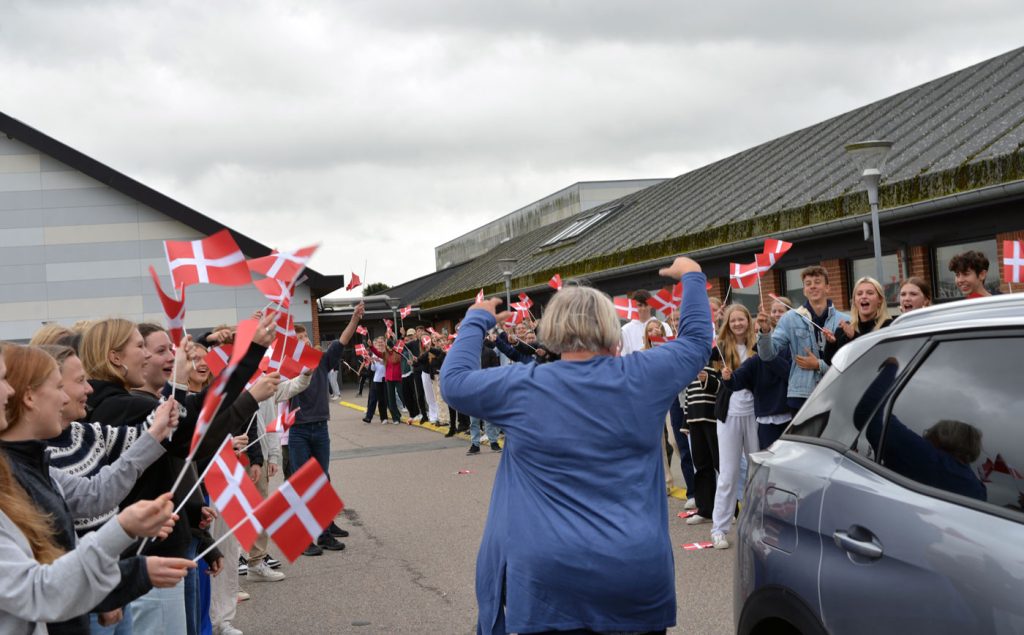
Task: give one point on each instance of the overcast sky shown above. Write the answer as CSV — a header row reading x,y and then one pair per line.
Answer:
x,y
385,128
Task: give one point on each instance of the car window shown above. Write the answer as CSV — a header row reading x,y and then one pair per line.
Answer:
x,y
958,423
828,413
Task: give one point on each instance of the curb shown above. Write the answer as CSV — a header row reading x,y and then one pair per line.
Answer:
x,y
441,429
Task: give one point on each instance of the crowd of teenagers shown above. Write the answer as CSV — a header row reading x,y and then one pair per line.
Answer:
x,y
96,423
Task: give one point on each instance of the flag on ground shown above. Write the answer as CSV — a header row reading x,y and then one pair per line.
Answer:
x,y
216,259
296,514
234,495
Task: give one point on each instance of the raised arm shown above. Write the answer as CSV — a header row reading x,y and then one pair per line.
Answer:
x,y
357,314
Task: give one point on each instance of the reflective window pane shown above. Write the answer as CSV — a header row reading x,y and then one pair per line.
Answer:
x,y
946,288
865,267
794,286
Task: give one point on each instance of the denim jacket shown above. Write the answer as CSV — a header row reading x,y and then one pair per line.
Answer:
x,y
795,334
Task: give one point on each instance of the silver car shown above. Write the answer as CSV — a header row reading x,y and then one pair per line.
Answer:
x,y
894,503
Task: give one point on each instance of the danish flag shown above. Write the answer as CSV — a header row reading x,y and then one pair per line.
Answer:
x,y
431,330
284,325
362,330
174,310
556,282
390,327
215,394
218,357
234,495
999,465
278,292
525,300
405,311
480,296
296,358
216,259
626,308
742,276
662,301
399,346
285,418
283,265
298,511
353,282
515,318
361,351
774,248
425,342
1013,261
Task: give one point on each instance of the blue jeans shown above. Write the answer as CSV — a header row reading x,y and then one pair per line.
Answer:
x,y
161,611
124,627
192,592
490,430
677,419
309,440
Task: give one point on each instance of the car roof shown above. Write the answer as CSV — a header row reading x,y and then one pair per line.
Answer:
x,y
962,315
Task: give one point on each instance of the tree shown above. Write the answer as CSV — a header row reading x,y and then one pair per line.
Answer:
x,y
374,288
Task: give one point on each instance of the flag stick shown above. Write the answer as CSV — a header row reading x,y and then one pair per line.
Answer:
x,y
789,308
229,533
1010,284
728,290
253,443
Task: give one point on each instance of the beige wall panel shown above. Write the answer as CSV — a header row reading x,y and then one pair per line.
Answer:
x,y
75,234
19,163
23,310
115,306
206,318
168,230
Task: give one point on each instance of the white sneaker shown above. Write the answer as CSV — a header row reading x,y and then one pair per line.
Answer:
x,y
227,629
718,541
397,422
690,504
262,573
385,422
697,519
242,596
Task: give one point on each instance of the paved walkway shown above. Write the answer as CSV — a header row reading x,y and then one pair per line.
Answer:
x,y
415,505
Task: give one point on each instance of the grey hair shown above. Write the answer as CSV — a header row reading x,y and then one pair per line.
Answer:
x,y
580,319
960,439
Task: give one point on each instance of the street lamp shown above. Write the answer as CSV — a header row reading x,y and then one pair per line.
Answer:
x,y
870,159
507,266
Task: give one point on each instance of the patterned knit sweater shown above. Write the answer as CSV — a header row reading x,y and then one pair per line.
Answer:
x,y
83,449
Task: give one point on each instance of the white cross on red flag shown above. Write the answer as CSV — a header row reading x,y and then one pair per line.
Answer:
x,y
215,394
399,346
298,511
217,359
405,311
353,282
556,282
174,310
626,308
425,342
742,276
283,265
662,301
296,358
1013,261
525,300
361,351
774,248
216,259
285,418
234,495
278,292
362,330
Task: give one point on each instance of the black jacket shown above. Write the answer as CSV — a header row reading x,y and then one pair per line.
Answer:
x,y
31,467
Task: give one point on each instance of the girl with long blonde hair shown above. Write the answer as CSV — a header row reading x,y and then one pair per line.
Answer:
x,y
868,312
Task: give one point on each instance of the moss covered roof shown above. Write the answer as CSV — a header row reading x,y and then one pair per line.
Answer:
x,y
956,133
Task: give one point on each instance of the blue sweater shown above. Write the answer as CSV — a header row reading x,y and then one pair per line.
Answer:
x,y
768,380
581,479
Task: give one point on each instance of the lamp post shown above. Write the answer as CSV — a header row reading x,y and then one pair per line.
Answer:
x,y
507,266
870,159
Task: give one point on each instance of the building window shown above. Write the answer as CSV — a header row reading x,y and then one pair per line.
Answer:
x,y
865,267
577,228
794,286
945,279
747,297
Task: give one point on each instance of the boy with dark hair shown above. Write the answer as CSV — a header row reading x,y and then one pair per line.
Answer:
x,y
805,342
971,269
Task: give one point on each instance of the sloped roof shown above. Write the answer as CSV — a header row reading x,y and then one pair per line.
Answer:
x,y
413,291
956,133
318,283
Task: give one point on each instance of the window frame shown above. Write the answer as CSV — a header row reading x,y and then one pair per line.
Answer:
x,y
579,227
874,465
938,268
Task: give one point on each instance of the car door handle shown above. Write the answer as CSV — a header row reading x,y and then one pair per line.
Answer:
x,y
859,541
